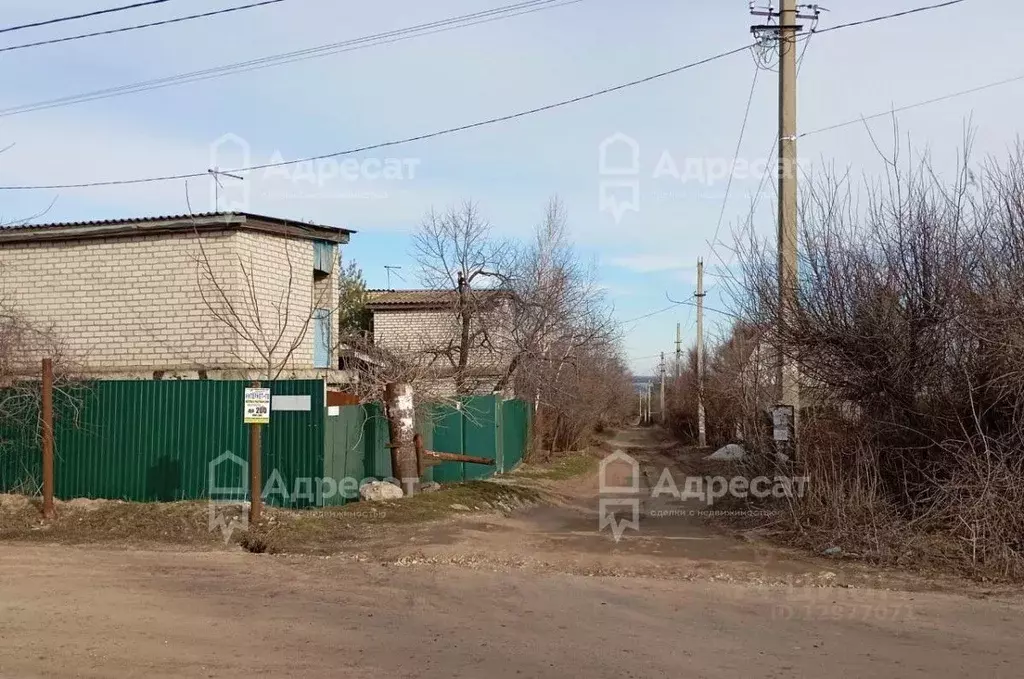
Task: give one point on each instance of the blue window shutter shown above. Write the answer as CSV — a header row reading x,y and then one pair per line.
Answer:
x,y
322,338
324,254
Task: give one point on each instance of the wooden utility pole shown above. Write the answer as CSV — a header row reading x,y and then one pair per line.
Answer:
x,y
661,403
701,428
47,433
255,469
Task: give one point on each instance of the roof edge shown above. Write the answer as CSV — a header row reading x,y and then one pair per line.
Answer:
x,y
174,224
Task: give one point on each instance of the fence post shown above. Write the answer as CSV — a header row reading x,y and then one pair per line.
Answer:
x,y
47,426
255,470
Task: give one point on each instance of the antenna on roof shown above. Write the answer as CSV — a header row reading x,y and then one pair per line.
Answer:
x,y
389,269
216,174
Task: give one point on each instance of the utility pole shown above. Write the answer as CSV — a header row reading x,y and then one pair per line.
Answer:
x,y
650,393
701,429
643,404
645,392
679,349
661,403
785,34
788,369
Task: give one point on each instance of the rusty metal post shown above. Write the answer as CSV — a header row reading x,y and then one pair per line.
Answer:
x,y
398,401
255,470
47,427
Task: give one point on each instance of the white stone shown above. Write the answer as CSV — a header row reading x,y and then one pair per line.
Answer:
x,y
377,491
728,453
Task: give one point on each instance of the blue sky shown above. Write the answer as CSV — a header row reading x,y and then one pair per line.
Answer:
x,y
427,83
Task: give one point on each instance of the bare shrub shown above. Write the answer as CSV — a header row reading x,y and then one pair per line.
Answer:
x,y
22,346
592,391
736,390
909,331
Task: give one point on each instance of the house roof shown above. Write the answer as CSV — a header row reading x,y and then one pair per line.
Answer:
x,y
418,299
206,221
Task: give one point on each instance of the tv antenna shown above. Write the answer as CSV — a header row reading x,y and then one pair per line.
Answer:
x,y
216,174
389,269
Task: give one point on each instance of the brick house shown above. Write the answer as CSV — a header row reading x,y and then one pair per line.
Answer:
x,y
217,295
423,325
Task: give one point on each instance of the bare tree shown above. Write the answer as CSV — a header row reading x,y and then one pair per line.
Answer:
x,y
456,253
560,338
557,307
271,325
267,323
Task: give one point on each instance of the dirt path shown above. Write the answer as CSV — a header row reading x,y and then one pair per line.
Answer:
x,y
538,594
70,612
565,538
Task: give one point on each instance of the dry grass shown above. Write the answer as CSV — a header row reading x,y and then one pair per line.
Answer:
x,y
561,468
103,521
971,526
188,523
331,529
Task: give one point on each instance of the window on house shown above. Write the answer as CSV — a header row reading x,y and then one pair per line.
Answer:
x,y
322,338
324,255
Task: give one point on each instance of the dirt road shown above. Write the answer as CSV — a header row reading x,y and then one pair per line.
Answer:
x,y
538,594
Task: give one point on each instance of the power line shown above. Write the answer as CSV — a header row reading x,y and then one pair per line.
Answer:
x,y
814,30
675,305
919,104
862,120
653,313
803,52
82,16
643,358
136,27
419,30
753,208
736,155
887,16
492,121
711,309
764,175
396,142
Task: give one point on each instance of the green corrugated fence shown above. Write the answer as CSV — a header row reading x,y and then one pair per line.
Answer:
x,y
516,425
156,441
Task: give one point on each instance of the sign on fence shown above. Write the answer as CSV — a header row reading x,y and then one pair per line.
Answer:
x,y
257,406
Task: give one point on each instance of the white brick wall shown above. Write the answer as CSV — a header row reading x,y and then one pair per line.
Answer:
x,y
137,303
416,332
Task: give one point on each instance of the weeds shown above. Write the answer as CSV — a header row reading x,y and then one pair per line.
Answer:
x,y
908,330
